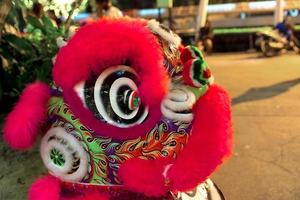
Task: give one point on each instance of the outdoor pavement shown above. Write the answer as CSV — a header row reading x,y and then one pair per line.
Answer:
x,y
266,110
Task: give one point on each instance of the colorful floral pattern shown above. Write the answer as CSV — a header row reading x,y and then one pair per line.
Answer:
x,y
166,139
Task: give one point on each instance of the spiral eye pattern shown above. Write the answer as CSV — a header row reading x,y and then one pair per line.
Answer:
x,y
113,97
63,155
178,104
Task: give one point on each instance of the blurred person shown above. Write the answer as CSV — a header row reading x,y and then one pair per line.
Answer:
x,y
88,16
283,28
104,8
38,10
54,19
205,42
286,29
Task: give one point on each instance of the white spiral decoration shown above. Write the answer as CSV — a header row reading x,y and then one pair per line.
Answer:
x,y
178,104
63,155
112,97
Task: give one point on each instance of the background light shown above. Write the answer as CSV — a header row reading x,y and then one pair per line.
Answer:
x,y
151,12
226,7
262,5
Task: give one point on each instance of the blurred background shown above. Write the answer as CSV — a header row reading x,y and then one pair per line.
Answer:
x,y
252,47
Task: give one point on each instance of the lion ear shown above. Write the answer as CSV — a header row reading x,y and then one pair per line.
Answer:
x,y
23,123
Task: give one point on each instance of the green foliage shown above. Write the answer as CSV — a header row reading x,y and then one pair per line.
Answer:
x,y
28,57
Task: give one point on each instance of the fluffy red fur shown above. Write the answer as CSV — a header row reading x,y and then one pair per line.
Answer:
x,y
108,43
186,55
186,74
210,142
144,176
45,188
23,123
50,188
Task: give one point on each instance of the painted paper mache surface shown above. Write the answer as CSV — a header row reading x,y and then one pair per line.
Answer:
x,y
133,114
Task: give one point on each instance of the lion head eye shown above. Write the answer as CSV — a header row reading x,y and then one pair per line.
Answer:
x,y
113,97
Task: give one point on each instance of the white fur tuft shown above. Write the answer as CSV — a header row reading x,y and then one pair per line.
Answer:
x,y
171,37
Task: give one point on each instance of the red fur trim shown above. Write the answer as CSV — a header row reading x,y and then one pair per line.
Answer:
x,y
108,43
144,176
95,196
23,123
91,195
209,144
186,55
188,74
45,188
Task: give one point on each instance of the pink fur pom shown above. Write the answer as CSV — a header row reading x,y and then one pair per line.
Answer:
x,y
45,188
23,123
209,144
144,176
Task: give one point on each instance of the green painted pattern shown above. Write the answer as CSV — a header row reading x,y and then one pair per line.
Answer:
x,y
57,157
197,69
197,52
95,147
198,92
200,65
136,101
